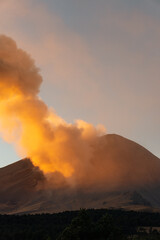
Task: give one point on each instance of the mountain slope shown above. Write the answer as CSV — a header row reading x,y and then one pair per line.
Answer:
x,y
18,183
124,175
129,162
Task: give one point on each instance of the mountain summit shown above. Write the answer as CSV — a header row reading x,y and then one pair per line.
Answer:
x,y
123,175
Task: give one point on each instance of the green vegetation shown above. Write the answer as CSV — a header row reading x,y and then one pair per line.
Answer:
x,y
88,224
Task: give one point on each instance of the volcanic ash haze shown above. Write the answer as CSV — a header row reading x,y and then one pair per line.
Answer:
x,y
74,151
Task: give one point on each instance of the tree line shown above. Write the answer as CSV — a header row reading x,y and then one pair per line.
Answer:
x,y
85,224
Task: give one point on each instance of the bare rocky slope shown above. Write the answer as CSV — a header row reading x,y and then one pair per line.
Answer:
x,y
133,182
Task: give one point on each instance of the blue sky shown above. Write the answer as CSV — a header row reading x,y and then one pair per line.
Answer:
x,y
99,61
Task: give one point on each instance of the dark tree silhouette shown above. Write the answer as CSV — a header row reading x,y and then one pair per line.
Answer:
x,y
81,228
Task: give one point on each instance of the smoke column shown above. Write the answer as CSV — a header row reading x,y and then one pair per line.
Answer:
x,y
66,153
33,128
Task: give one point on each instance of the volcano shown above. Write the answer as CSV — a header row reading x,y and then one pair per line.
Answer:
x,y
128,177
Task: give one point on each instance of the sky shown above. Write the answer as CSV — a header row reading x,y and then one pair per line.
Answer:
x,y
99,61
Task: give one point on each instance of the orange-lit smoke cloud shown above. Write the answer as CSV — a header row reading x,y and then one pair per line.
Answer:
x,y
72,152
34,129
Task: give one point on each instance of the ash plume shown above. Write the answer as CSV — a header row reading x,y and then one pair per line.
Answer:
x,y
72,153
34,129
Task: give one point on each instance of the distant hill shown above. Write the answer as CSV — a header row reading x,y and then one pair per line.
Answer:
x,y
124,175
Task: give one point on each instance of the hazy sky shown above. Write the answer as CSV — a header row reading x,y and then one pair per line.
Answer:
x,y
100,62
